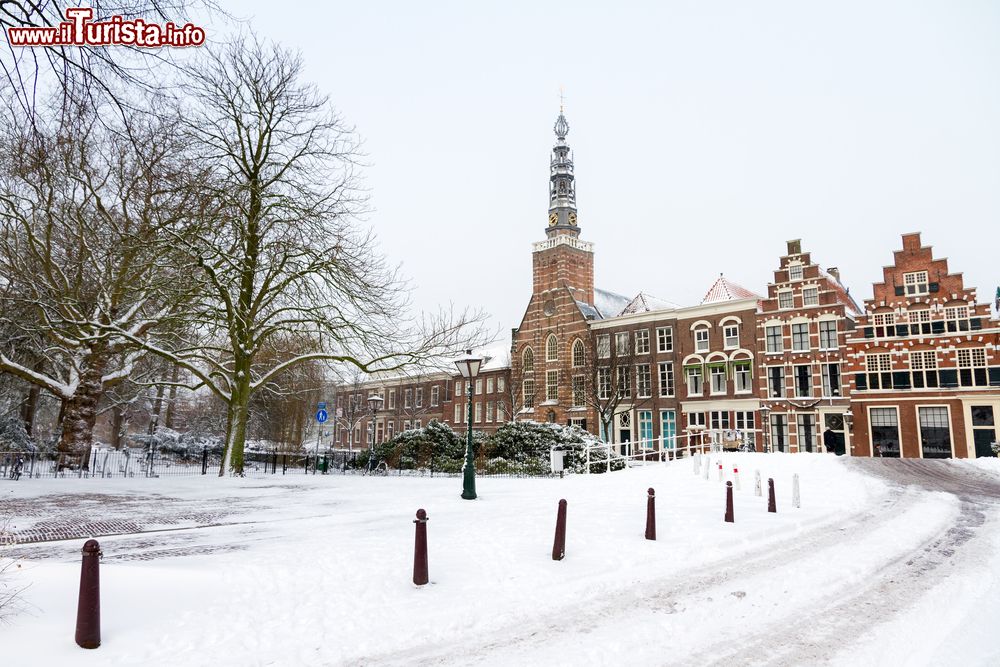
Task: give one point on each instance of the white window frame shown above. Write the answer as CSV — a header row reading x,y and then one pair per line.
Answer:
x,y
621,343
916,283
797,337
552,348
664,339
642,341
795,272
551,385
643,381
603,346
713,376
835,340
623,382
810,296
731,336
701,342
579,354
786,299
780,338
528,393
604,383
665,373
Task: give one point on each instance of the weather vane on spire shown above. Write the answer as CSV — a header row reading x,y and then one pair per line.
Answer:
x,y
562,100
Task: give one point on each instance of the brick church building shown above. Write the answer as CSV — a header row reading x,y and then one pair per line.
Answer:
x,y
799,368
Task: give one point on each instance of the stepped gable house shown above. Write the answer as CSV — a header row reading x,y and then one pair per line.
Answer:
x,y
801,330
923,363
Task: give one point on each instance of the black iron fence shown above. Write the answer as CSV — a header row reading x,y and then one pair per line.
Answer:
x,y
104,463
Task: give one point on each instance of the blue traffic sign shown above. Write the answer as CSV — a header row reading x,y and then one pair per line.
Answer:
x,y
321,416
321,406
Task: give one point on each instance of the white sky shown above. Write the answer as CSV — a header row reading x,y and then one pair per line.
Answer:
x,y
705,135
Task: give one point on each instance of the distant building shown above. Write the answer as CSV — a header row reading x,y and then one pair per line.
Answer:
x,y
914,373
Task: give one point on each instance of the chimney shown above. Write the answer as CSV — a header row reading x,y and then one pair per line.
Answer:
x,y
794,247
835,272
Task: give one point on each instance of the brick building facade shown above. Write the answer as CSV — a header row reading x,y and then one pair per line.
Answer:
x,y
924,363
916,372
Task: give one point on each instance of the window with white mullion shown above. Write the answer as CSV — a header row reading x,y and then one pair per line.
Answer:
x,y
665,339
923,369
810,296
800,337
916,283
828,339
666,374
775,342
972,367
643,381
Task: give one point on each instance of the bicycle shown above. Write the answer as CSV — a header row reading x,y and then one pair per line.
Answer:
x,y
15,469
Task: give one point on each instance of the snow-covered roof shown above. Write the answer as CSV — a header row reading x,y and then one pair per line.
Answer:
x,y
495,356
589,312
725,290
609,304
644,303
843,294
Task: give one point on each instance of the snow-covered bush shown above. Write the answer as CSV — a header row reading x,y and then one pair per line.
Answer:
x,y
415,447
9,601
528,442
13,437
184,446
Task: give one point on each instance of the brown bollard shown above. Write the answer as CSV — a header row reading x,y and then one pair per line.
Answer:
x,y
559,546
729,502
420,549
651,515
88,610
771,507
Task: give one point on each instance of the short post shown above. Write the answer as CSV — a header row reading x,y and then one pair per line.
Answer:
x,y
736,478
756,483
204,460
795,491
696,462
420,549
708,464
729,503
88,610
651,514
559,546
720,471
771,506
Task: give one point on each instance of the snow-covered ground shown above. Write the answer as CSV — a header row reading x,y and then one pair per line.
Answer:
x,y
878,566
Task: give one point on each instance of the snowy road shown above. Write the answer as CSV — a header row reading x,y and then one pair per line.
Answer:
x,y
863,569
887,562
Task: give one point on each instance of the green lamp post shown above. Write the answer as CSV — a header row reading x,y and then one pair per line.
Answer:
x,y
468,366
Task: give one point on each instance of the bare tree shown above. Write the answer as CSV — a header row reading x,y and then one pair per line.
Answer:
x,y
611,379
81,211
90,75
284,259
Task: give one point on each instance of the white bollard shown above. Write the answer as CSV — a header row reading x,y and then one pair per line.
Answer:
x,y
708,464
696,459
795,491
720,470
756,483
736,478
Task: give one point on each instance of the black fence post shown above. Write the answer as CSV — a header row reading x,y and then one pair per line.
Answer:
x,y
284,463
79,471
31,470
204,460
274,461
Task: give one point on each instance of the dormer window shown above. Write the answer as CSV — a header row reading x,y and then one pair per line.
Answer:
x,y
795,272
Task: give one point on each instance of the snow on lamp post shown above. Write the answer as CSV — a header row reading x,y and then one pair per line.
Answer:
x,y
374,402
468,366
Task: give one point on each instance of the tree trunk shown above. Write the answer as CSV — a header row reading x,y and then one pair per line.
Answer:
x,y
237,417
172,397
80,415
28,409
117,422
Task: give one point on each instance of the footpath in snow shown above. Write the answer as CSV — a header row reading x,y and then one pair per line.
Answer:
x,y
317,569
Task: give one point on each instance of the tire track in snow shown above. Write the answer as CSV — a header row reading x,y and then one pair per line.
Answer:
x,y
661,595
819,637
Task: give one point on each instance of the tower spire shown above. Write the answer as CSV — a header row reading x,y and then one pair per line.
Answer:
x,y
562,182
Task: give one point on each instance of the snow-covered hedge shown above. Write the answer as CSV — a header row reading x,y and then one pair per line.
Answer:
x,y
184,446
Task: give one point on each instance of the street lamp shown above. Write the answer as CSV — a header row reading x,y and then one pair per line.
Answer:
x,y
468,366
374,402
765,427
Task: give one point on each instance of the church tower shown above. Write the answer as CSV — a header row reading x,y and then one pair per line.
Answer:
x,y
563,260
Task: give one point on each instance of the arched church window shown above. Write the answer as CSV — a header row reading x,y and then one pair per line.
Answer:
x,y
552,348
528,360
579,355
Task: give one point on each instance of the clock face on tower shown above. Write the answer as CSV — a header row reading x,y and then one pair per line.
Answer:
x,y
553,218
572,219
